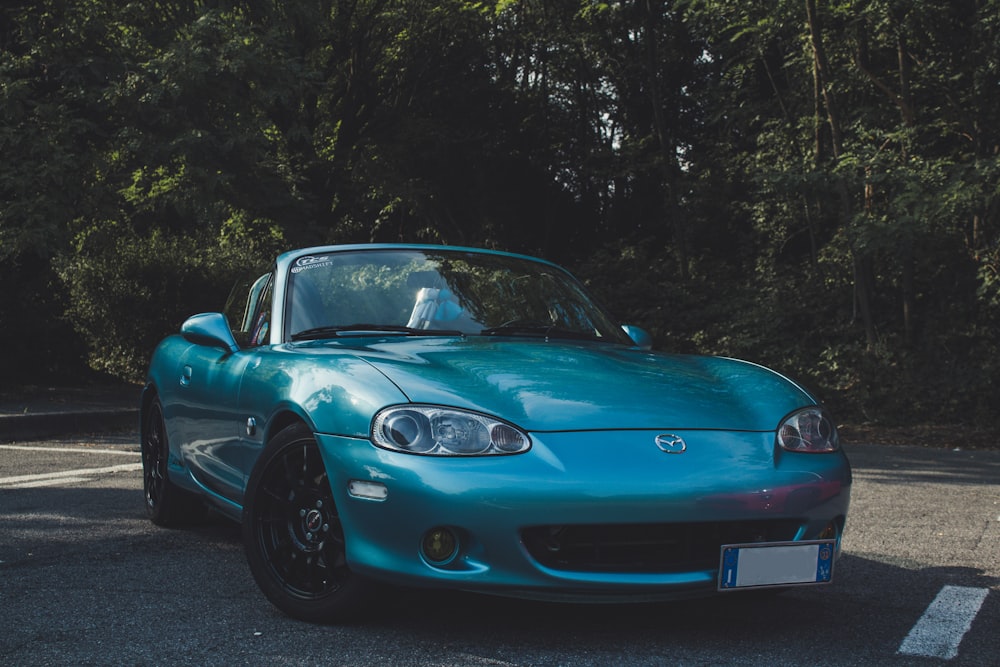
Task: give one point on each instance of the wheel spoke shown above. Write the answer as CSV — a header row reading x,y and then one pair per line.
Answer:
x,y
290,474
275,496
320,576
155,458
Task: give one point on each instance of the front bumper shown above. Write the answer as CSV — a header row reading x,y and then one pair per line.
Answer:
x,y
582,515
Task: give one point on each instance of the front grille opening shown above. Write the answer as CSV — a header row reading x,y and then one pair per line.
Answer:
x,y
647,548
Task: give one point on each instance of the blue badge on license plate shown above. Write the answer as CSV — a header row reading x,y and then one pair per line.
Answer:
x,y
764,564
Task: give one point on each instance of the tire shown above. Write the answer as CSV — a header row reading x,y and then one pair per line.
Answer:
x,y
294,541
166,504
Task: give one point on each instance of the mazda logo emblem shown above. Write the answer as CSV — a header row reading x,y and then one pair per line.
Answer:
x,y
670,443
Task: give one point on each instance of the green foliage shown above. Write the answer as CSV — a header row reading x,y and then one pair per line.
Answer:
x,y
38,342
127,291
698,162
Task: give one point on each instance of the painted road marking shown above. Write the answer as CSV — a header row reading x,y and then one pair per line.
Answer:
x,y
62,481
940,630
71,450
62,477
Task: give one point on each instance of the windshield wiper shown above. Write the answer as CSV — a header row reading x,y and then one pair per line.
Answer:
x,y
363,329
537,330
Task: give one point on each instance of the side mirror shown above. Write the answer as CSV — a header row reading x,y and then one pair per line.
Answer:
x,y
639,336
210,329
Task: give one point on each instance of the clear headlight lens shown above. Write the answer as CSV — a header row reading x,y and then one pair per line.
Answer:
x,y
427,429
808,430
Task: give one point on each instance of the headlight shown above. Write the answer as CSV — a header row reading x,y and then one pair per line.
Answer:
x,y
426,429
808,430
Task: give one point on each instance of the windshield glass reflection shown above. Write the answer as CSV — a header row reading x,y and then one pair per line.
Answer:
x,y
440,292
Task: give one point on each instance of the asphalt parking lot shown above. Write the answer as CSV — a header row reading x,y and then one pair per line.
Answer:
x,y
86,579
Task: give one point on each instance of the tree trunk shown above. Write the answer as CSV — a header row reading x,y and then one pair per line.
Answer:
x,y
907,258
667,146
825,99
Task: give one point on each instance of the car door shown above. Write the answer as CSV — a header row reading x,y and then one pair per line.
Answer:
x,y
207,399
210,379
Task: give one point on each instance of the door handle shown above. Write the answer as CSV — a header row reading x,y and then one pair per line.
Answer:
x,y
186,376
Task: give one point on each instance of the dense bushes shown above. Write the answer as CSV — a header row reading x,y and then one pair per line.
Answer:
x,y
128,292
806,328
807,185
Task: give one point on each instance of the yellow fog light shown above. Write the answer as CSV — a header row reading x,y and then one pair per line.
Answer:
x,y
830,532
439,545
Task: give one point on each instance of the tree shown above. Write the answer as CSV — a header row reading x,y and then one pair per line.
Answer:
x,y
812,185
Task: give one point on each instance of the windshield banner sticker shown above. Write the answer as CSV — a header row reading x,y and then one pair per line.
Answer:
x,y
311,262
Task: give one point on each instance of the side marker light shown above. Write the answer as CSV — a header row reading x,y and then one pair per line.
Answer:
x,y
367,490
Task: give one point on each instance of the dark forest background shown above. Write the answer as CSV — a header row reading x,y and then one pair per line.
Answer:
x,y
813,185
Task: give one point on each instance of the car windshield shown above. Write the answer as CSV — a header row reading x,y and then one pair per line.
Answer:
x,y
431,292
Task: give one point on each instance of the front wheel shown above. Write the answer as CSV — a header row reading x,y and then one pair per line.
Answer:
x,y
294,541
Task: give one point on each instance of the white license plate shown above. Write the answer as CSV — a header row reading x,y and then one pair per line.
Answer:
x,y
765,564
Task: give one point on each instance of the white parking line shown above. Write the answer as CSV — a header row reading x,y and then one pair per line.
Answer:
x,y
70,450
62,477
940,630
62,481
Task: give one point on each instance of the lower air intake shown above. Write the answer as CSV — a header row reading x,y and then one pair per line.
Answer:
x,y
650,548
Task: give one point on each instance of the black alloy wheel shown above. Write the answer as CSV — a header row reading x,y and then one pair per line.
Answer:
x,y
166,504
292,534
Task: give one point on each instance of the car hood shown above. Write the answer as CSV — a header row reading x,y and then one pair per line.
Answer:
x,y
558,386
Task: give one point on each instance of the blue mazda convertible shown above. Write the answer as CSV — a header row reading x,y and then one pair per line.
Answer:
x,y
456,418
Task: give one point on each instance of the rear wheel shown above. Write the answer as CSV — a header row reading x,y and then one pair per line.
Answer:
x,y
166,504
292,534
